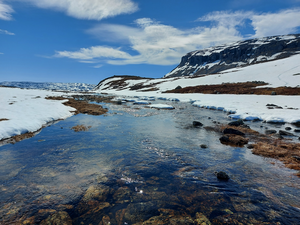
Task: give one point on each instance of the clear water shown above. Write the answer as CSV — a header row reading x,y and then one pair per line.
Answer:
x,y
136,163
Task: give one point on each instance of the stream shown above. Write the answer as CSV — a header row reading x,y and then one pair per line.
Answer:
x,y
137,165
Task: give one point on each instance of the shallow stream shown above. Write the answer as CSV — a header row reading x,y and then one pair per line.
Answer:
x,y
137,164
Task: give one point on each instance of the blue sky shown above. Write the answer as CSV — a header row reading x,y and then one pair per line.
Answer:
x,y
89,40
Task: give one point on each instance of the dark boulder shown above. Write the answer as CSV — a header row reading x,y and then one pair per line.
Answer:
x,y
297,130
233,131
178,87
203,146
288,128
233,140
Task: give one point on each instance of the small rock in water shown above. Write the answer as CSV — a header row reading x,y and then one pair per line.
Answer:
x,y
203,146
221,175
297,130
197,124
232,131
288,128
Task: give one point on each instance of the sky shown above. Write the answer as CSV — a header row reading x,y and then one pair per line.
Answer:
x,y
89,40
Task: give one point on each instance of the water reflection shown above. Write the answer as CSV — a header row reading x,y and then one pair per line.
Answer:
x,y
136,165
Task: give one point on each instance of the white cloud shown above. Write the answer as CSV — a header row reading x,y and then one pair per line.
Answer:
x,y
227,18
150,42
6,32
88,9
5,11
263,24
86,54
284,22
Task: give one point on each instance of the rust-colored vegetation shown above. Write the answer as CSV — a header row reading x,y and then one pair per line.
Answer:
x,y
82,106
238,88
3,119
288,153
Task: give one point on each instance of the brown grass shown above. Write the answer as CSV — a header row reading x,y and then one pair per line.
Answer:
x,y
283,151
237,88
3,119
81,127
82,106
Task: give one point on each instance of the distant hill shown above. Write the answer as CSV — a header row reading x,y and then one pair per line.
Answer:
x,y
50,86
239,54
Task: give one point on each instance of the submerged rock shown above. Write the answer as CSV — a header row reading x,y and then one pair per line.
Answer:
x,y
203,146
221,175
60,218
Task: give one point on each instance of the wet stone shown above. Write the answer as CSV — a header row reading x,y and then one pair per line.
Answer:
x,y
297,130
288,128
270,132
203,146
285,133
236,123
197,124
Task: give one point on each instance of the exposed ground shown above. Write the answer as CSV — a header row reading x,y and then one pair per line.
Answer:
x,y
81,127
238,88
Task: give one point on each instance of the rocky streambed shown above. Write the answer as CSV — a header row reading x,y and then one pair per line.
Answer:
x,y
137,165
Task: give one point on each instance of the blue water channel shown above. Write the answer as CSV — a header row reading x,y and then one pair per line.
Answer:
x,y
137,165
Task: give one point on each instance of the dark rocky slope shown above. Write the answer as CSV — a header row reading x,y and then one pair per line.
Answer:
x,y
243,53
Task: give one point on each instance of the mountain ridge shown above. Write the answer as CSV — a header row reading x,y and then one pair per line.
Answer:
x,y
238,54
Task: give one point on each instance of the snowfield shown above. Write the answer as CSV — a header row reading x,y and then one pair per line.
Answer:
x,y
284,72
28,110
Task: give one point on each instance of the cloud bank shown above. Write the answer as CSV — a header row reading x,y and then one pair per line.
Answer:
x,y
88,9
5,11
150,42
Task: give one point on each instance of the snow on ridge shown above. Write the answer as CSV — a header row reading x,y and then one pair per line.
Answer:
x,y
50,86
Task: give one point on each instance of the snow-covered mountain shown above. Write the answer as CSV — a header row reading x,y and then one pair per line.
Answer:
x,y
50,86
239,54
